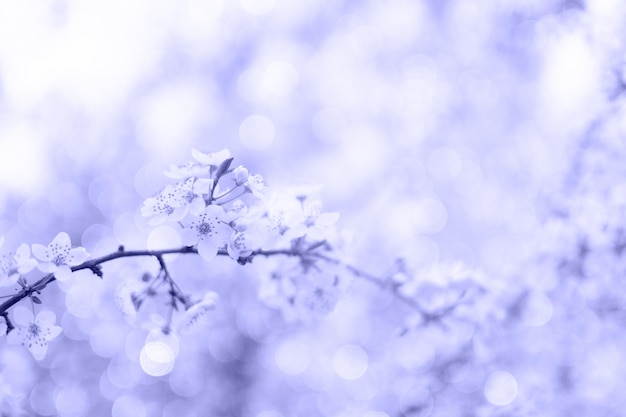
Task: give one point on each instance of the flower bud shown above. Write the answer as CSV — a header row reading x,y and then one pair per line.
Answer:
x,y
241,174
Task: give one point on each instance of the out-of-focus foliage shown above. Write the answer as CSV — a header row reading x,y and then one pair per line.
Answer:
x,y
475,152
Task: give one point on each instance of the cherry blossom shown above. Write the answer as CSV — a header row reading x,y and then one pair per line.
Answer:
x,y
34,333
187,170
211,158
256,185
242,244
13,265
173,203
208,230
197,312
59,256
313,222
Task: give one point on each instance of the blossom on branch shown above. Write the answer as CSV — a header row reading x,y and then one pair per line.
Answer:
x,y
208,230
59,256
313,222
14,265
197,312
34,333
173,203
211,158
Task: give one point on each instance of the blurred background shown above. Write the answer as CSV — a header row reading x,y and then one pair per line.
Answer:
x,y
445,132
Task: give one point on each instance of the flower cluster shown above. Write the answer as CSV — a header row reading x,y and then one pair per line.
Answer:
x,y
57,259
220,209
217,209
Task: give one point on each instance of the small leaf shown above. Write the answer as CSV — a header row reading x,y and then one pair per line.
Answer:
x,y
35,299
221,170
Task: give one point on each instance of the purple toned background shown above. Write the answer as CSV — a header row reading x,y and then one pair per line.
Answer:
x,y
455,135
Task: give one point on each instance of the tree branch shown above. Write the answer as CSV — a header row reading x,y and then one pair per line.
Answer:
x,y
93,265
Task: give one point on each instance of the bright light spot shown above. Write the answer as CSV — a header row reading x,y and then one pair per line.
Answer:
x,y
22,164
501,388
571,76
401,21
538,309
350,362
258,7
292,357
256,132
169,117
205,11
128,406
157,359
163,237
279,80
72,401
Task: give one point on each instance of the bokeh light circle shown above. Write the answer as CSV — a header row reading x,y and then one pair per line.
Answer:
x,y
157,358
501,388
350,362
293,357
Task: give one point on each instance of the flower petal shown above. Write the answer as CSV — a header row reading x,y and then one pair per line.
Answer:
x,y
197,206
77,256
63,240
63,273
46,318
22,252
41,252
27,266
38,350
22,316
47,267
54,332
207,249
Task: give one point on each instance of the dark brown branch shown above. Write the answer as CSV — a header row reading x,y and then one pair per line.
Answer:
x,y
94,265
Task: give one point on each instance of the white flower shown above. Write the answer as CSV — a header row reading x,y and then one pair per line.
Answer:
x,y
188,169
13,265
59,256
208,230
256,185
239,245
173,203
313,223
211,158
197,312
34,333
